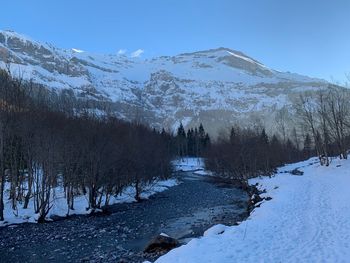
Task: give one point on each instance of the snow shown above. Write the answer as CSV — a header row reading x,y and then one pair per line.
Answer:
x,y
59,202
137,53
77,50
215,230
203,172
307,220
195,83
246,59
203,66
13,34
189,164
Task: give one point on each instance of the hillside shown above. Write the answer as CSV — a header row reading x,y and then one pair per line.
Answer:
x,y
218,87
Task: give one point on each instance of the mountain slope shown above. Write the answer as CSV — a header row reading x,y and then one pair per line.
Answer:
x,y
217,87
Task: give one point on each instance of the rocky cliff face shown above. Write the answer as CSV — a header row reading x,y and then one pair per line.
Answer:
x,y
218,87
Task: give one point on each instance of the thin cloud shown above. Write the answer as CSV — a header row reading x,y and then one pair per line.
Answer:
x,y
137,53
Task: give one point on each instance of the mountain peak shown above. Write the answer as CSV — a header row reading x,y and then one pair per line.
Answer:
x,y
15,40
223,53
12,34
198,87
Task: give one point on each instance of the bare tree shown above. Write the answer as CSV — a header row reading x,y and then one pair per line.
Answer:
x,y
338,114
281,121
322,114
306,109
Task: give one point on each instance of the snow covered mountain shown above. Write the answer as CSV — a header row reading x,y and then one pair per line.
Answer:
x,y
218,87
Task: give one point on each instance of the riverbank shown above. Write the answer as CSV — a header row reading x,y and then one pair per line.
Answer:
x,y
183,211
59,208
305,221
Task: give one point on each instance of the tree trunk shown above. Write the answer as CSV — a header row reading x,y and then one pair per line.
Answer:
x,y
137,191
29,193
2,172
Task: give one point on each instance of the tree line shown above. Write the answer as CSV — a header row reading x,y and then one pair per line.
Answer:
x,y
193,143
248,152
326,118
52,138
45,142
322,129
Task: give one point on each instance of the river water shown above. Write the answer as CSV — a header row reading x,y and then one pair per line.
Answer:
x,y
183,212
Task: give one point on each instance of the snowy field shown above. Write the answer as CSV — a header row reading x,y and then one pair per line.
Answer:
x,y
59,202
307,220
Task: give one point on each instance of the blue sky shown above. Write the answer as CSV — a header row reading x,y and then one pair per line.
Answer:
x,y
305,36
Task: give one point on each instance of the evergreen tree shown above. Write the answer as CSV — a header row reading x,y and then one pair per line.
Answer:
x,y
276,152
263,150
196,142
264,139
206,141
201,131
233,136
181,131
163,132
190,143
201,137
181,141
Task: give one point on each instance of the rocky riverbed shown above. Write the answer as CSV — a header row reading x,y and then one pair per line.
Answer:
x,y
183,212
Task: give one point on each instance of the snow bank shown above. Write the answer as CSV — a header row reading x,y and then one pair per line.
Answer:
x,y
59,207
215,230
307,220
191,164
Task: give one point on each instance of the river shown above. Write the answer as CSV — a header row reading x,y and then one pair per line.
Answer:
x,y
183,212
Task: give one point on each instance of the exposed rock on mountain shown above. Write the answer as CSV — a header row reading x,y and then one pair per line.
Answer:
x,y
218,87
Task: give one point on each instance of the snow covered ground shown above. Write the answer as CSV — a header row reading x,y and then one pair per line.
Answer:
x,y
59,207
307,220
191,164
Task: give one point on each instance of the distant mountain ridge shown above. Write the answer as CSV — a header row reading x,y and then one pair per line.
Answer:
x,y
218,87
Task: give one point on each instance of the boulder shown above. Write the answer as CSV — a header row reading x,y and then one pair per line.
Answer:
x,y
161,243
296,171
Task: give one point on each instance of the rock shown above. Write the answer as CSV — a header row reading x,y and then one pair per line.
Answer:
x,y
256,199
161,243
296,172
57,218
